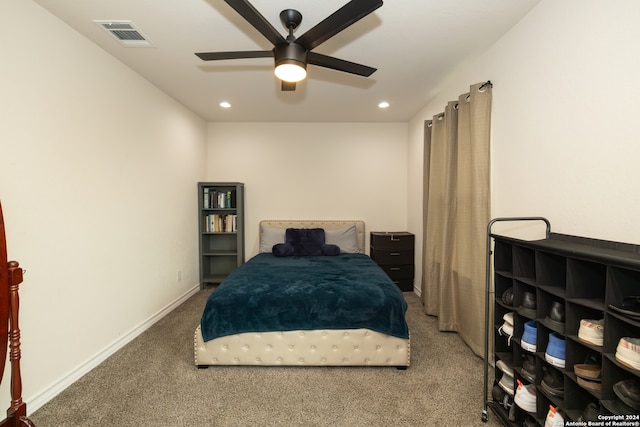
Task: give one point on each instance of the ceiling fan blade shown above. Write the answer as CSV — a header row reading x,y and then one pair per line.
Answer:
x,y
255,18
288,86
338,21
339,64
214,56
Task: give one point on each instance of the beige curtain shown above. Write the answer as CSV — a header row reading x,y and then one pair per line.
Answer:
x,y
456,213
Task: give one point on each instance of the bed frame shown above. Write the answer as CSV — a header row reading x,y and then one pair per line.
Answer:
x,y
10,279
350,347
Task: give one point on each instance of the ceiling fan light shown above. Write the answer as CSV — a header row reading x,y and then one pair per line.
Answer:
x,y
290,72
291,62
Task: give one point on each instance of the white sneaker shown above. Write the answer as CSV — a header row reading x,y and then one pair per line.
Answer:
x,y
591,331
628,352
507,327
526,397
506,381
554,419
554,361
504,368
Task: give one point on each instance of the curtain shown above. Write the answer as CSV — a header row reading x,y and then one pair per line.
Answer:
x,y
456,212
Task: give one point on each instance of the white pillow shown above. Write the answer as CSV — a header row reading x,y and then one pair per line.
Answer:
x,y
346,238
270,236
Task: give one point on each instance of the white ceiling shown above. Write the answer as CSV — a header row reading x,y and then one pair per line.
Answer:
x,y
414,45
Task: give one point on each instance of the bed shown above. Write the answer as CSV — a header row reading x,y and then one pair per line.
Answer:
x,y
276,310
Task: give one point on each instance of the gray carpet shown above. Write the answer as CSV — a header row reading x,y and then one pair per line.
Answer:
x,y
153,382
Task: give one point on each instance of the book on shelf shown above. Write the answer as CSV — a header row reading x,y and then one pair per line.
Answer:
x,y
216,223
218,199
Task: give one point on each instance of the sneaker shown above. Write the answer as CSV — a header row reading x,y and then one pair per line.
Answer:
x,y
630,307
506,381
556,317
591,331
507,297
528,341
589,385
588,376
526,397
554,418
498,394
552,382
591,412
628,391
628,352
587,371
507,327
528,305
555,353
528,370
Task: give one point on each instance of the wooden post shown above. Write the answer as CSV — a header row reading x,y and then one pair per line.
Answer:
x,y
10,279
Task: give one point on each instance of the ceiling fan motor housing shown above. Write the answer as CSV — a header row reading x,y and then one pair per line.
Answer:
x,y
290,53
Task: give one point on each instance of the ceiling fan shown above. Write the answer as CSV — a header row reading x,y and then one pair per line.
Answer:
x,y
293,54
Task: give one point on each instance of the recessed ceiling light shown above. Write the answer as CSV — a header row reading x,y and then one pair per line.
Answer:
x,y
225,104
383,104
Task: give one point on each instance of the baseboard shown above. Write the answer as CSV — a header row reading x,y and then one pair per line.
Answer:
x,y
42,398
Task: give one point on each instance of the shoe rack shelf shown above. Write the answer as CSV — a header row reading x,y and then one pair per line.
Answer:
x,y
586,276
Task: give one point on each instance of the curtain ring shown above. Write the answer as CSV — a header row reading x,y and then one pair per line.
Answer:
x,y
483,87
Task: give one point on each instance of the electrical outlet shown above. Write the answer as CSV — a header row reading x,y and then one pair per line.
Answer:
x,y
178,275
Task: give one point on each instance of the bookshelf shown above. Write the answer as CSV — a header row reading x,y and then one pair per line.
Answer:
x,y
220,229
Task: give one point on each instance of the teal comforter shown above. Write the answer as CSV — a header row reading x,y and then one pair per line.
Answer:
x,y
268,293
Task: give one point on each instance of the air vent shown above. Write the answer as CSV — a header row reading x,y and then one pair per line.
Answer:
x,y
125,32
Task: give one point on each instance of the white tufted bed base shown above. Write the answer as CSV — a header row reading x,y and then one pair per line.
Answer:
x,y
344,347
351,347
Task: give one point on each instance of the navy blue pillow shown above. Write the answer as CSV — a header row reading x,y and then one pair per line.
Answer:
x,y
305,241
282,249
330,249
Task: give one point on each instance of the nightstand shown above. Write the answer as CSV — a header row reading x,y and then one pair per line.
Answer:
x,y
394,252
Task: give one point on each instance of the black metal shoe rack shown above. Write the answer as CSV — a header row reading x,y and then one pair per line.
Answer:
x,y
588,276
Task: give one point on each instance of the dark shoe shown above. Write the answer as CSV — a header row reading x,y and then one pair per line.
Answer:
x,y
507,297
512,413
630,307
590,413
556,316
628,391
529,422
529,368
498,394
528,305
552,382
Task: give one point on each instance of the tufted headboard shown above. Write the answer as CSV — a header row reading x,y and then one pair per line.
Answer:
x,y
317,223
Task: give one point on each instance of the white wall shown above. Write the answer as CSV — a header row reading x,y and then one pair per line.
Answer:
x,y
565,131
97,182
98,168
314,171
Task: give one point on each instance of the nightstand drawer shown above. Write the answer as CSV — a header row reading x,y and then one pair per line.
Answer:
x,y
392,257
396,272
405,285
392,241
